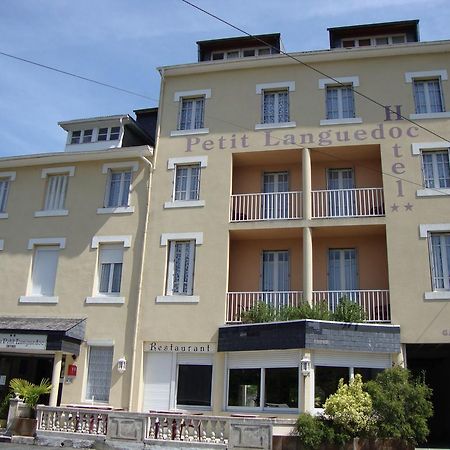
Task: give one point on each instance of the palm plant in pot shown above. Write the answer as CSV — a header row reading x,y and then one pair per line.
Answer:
x,y
29,393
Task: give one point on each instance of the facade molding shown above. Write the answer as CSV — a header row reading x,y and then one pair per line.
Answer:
x,y
261,87
60,241
411,76
195,93
69,170
133,165
194,236
353,80
173,162
125,239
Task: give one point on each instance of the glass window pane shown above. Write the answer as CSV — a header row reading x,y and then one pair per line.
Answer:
x,y
105,271
366,373
327,381
4,184
398,39
99,373
102,134
114,135
194,385
75,137
244,387
87,136
117,276
281,388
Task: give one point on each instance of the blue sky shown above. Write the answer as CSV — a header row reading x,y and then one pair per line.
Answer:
x,y
122,42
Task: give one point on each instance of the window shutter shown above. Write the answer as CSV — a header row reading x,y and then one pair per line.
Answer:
x,y
45,263
352,359
263,359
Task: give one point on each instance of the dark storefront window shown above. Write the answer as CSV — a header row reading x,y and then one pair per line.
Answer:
x,y
194,385
327,381
244,387
281,388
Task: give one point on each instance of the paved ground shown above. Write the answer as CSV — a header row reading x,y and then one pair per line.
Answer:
x,y
23,447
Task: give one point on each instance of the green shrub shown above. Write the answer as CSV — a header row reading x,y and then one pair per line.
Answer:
x,y
402,405
350,408
349,311
30,392
259,313
312,431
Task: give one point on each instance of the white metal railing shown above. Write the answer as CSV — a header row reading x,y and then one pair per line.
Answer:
x,y
360,202
374,302
237,302
266,206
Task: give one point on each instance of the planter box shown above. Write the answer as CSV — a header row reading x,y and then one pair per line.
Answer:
x,y
24,427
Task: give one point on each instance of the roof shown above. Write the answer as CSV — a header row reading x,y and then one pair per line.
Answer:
x,y
73,328
377,25
93,119
235,40
65,157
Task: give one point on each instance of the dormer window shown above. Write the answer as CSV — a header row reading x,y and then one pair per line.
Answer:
x,y
75,137
240,53
373,41
108,134
87,136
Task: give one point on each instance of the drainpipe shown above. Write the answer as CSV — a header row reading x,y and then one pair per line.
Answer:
x,y
141,278
144,245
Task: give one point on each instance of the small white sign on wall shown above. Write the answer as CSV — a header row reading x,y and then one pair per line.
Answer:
x,y
23,341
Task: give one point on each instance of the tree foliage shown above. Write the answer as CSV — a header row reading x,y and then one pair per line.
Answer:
x,y
402,405
30,392
350,408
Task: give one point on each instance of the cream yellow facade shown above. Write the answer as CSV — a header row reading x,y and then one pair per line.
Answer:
x,y
236,153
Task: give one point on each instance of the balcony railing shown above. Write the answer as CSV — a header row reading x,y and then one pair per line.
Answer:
x,y
237,302
334,203
375,303
266,206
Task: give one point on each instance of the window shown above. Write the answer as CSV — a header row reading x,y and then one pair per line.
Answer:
x,y
114,135
187,182
180,276
428,96
118,190
55,196
191,113
327,381
194,385
87,136
43,273
275,106
110,269
374,41
99,373
81,136
4,189
102,134
279,387
440,261
427,92
76,136
339,102
436,169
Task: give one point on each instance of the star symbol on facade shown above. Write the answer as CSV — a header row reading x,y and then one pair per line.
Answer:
x,y
408,207
394,207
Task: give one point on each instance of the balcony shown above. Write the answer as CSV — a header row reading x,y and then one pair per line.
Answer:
x,y
266,206
374,302
362,202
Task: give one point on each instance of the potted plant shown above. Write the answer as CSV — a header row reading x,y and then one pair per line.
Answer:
x,y
29,393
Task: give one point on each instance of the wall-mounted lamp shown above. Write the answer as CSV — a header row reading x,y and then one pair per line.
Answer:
x,y
305,366
122,365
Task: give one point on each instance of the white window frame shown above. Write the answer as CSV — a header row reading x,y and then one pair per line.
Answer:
x,y
425,232
98,343
172,164
441,75
417,149
352,81
8,177
69,171
166,241
373,39
57,242
179,96
278,86
107,168
100,297
2,244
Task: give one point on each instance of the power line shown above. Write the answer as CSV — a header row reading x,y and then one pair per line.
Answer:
x,y
309,66
74,75
337,82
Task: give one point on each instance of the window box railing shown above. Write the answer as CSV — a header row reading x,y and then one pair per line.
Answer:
x,y
361,202
265,206
237,302
375,303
